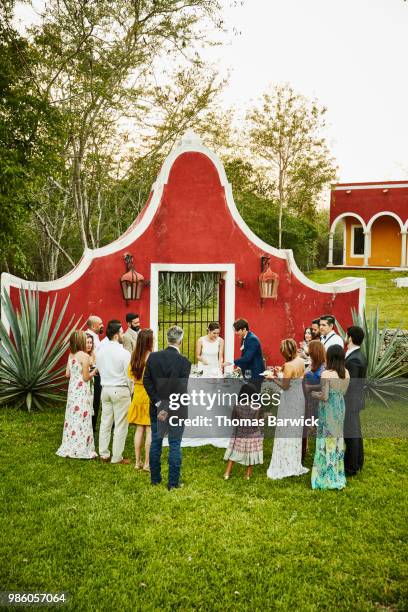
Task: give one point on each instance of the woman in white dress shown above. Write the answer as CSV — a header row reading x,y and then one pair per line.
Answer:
x,y
210,351
77,436
287,448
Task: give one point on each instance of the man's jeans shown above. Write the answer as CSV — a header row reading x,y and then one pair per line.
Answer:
x,y
174,436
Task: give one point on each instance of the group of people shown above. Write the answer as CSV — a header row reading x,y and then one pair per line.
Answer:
x,y
322,377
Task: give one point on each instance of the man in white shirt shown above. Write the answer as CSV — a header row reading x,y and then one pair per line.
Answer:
x,y
95,327
112,363
328,336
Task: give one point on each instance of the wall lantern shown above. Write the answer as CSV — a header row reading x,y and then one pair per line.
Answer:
x,y
131,282
268,281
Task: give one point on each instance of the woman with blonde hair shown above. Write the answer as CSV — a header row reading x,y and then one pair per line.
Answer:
x,y
287,447
139,414
77,437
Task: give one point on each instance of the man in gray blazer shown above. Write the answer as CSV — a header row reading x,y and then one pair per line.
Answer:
x,y
132,332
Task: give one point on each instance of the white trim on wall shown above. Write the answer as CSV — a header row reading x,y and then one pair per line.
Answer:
x,y
344,244
228,272
343,216
384,213
383,186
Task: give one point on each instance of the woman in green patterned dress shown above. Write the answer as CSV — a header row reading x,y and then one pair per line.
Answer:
x,y
328,464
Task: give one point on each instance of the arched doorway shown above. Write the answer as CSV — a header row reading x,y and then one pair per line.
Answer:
x,y
347,240
385,242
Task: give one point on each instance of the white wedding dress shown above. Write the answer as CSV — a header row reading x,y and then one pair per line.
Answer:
x,y
210,352
287,447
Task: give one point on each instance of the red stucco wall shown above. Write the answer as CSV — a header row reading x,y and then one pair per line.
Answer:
x,y
193,224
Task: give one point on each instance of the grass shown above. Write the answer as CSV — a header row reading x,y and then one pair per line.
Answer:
x,y
381,292
113,542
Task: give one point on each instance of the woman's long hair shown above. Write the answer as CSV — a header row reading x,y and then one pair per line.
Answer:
x,y
77,341
335,359
288,349
144,346
317,354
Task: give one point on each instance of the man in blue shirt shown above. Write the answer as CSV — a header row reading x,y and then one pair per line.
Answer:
x,y
251,352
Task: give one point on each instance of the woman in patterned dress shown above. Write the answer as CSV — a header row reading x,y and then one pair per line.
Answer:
x,y
77,437
246,444
139,410
328,465
287,445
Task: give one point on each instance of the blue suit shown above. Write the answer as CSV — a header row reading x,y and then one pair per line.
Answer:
x,y
251,357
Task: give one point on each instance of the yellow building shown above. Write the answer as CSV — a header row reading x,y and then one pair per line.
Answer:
x,y
374,219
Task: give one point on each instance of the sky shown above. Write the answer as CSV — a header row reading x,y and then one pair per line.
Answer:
x,y
351,55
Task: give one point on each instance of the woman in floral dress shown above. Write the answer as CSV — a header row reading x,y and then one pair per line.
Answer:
x,y
328,465
77,437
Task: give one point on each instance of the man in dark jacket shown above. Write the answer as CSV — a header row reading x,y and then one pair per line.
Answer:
x,y
166,373
356,364
251,353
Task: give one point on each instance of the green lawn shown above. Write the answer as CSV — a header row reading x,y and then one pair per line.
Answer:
x,y
381,292
113,542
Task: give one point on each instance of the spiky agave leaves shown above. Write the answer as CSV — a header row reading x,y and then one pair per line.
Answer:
x,y
386,362
31,350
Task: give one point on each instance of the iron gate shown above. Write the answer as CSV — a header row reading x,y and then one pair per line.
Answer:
x,y
190,300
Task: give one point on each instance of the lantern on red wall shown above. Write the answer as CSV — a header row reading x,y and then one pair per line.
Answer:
x,y
268,281
131,282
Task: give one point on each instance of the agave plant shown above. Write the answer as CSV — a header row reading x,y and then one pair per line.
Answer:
x,y
31,351
386,361
187,291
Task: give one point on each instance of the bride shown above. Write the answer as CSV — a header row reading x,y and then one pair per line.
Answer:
x,y
210,351
287,446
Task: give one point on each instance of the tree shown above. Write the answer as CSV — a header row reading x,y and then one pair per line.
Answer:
x,y
286,137
30,129
103,65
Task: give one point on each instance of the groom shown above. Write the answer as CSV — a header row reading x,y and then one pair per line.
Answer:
x,y
251,353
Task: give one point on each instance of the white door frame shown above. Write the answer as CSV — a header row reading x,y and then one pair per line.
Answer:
x,y
228,273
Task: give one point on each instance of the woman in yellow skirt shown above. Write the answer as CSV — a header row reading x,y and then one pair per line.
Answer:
x,y
139,408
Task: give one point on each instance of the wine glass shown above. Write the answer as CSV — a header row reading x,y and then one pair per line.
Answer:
x,y
271,369
248,374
